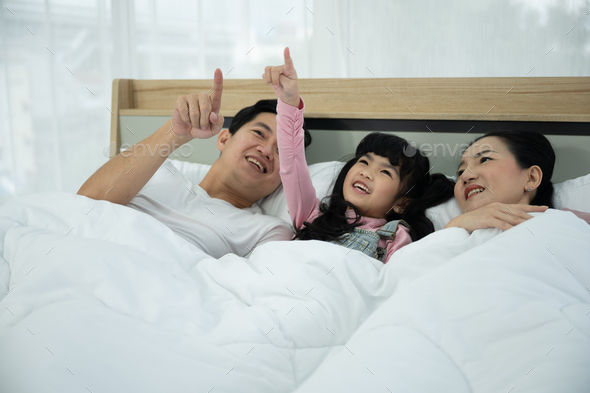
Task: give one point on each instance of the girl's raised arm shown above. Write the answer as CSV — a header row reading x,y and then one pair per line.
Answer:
x,y
299,191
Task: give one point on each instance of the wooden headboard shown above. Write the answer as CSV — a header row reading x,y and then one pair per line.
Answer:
x,y
553,106
563,100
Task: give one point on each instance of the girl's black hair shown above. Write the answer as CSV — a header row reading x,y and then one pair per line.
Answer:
x,y
530,148
416,183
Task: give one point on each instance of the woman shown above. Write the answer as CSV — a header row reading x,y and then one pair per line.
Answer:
x,y
503,176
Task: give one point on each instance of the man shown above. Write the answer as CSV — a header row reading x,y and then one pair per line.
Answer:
x,y
220,216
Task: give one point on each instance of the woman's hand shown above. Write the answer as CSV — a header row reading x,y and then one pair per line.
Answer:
x,y
197,115
283,80
495,215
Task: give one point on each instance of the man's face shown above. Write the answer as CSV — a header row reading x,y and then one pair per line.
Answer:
x,y
252,155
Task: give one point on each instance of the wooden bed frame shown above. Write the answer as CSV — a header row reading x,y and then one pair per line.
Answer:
x,y
559,105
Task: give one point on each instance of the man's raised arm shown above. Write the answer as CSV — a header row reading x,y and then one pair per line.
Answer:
x,y
122,177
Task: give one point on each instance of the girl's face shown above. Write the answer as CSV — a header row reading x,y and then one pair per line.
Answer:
x,y
372,185
488,173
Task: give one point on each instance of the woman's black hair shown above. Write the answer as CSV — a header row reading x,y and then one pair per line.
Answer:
x,y
248,114
530,148
416,183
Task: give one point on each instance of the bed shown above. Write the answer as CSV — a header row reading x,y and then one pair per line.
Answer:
x,y
103,298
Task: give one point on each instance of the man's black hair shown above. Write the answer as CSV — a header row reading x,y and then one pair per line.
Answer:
x,y
248,114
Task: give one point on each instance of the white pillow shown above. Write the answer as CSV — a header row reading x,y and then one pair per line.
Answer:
x,y
573,194
440,215
194,172
322,174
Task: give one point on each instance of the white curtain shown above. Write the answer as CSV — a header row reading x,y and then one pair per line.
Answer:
x,y
58,58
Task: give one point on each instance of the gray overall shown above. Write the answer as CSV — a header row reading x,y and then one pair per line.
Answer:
x,y
368,241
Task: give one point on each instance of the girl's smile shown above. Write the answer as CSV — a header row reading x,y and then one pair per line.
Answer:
x,y
361,187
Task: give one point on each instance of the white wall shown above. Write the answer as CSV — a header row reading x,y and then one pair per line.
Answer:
x,y
58,58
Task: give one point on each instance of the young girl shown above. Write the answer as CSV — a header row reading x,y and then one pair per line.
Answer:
x,y
380,196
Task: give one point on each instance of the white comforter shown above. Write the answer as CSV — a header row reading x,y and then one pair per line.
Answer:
x,y
99,297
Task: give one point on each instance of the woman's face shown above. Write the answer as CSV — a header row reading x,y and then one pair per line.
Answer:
x,y
488,173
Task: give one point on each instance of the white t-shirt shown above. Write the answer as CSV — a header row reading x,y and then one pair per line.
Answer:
x,y
214,225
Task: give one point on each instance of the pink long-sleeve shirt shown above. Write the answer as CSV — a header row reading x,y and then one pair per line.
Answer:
x,y
300,193
583,215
